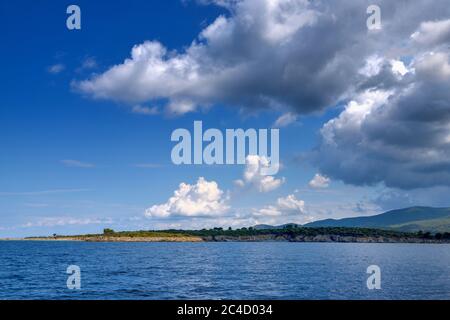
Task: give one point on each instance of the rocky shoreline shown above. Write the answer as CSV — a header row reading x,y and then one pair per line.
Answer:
x,y
118,239
321,238
288,234
253,238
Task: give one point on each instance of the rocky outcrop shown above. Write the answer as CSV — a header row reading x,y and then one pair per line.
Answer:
x,y
319,238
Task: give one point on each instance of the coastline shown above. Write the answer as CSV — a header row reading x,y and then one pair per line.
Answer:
x,y
296,234
116,239
322,239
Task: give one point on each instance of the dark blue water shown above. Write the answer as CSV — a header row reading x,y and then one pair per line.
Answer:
x,y
261,270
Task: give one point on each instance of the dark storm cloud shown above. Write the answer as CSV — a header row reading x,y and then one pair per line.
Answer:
x,y
401,138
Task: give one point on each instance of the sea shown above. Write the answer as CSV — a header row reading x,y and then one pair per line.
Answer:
x,y
222,270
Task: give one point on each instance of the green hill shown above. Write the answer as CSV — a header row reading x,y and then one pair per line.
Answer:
x,y
431,225
408,220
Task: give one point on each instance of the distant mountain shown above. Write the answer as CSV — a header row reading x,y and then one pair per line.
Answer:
x,y
408,220
283,226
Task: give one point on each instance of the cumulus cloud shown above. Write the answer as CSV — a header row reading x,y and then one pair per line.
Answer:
x,y
288,207
193,206
299,57
395,129
400,136
254,165
203,198
262,54
399,68
433,32
319,181
434,67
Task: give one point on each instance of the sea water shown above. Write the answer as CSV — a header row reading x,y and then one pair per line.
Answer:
x,y
224,270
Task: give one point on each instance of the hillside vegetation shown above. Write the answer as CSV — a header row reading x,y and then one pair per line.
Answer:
x,y
288,233
426,219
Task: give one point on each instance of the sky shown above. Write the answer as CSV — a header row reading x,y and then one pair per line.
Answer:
x,y
86,115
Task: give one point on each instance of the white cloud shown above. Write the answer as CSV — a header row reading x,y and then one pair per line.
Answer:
x,y
201,199
148,74
285,210
77,164
433,32
284,207
235,220
319,181
266,54
56,68
398,67
372,66
285,120
148,111
257,40
354,114
253,176
434,66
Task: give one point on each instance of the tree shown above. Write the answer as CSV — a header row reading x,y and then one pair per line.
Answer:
x,y
108,231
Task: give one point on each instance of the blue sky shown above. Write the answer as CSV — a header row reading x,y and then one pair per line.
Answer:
x,y
77,158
